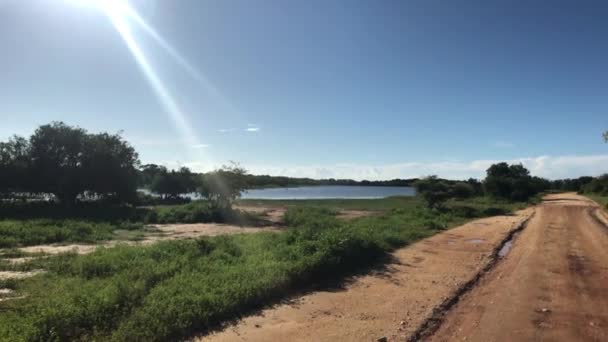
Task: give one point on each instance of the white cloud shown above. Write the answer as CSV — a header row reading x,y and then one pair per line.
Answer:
x,y
226,130
200,146
542,166
252,128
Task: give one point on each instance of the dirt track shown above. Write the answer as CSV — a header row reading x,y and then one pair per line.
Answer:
x,y
391,303
553,286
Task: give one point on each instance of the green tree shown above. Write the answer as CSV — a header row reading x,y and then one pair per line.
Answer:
x,y
606,136
109,167
172,184
56,154
14,165
434,191
223,186
462,190
68,162
512,182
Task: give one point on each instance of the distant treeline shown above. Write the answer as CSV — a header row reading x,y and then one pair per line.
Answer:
x,y
148,171
266,181
68,164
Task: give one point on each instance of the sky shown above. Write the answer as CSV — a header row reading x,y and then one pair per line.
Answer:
x,y
342,89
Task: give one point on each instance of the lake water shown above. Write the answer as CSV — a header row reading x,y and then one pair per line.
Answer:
x,y
329,191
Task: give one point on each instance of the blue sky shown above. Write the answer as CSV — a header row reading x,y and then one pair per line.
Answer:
x,y
357,89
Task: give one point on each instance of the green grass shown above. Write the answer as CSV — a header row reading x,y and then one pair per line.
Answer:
x,y
193,212
46,223
601,199
172,290
17,233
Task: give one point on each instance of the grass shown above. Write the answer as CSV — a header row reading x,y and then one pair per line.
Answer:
x,y
17,233
193,212
43,223
601,199
175,289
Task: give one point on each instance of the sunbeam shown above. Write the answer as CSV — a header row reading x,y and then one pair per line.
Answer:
x,y
161,91
181,61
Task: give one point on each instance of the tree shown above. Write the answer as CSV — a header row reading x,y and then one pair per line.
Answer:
x,y
14,165
434,191
56,156
173,184
223,186
512,182
462,190
69,163
606,136
109,167
147,173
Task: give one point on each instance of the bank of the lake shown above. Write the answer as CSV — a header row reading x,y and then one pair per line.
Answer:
x,y
329,192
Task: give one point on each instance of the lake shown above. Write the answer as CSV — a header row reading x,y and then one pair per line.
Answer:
x,y
329,191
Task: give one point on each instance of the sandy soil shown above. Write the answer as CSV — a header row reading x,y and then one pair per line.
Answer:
x,y
195,230
553,286
275,214
391,303
18,275
159,233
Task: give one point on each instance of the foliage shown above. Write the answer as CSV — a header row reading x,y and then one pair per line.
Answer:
x,y
172,184
194,212
172,290
512,182
69,163
223,186
463,190
435,191
575,184
266,181
598,185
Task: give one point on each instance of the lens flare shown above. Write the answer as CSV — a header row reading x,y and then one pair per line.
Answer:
x,y
181,61
161,91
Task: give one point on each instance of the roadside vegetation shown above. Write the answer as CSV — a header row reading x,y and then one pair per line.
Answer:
x,y
174,289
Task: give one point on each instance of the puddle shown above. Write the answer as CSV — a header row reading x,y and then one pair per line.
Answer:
x,y
475,241
506,248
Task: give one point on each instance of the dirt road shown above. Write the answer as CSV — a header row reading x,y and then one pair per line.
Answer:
x,y
553,286
464,285
392,303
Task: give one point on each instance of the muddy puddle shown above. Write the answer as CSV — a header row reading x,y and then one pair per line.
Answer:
x,y
506,248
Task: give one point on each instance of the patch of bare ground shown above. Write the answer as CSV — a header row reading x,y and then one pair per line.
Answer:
x,y
353,214
196,230
4,275
275,215
271,214
155,233
389,304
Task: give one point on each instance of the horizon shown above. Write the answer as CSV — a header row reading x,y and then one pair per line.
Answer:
x,y
344,90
